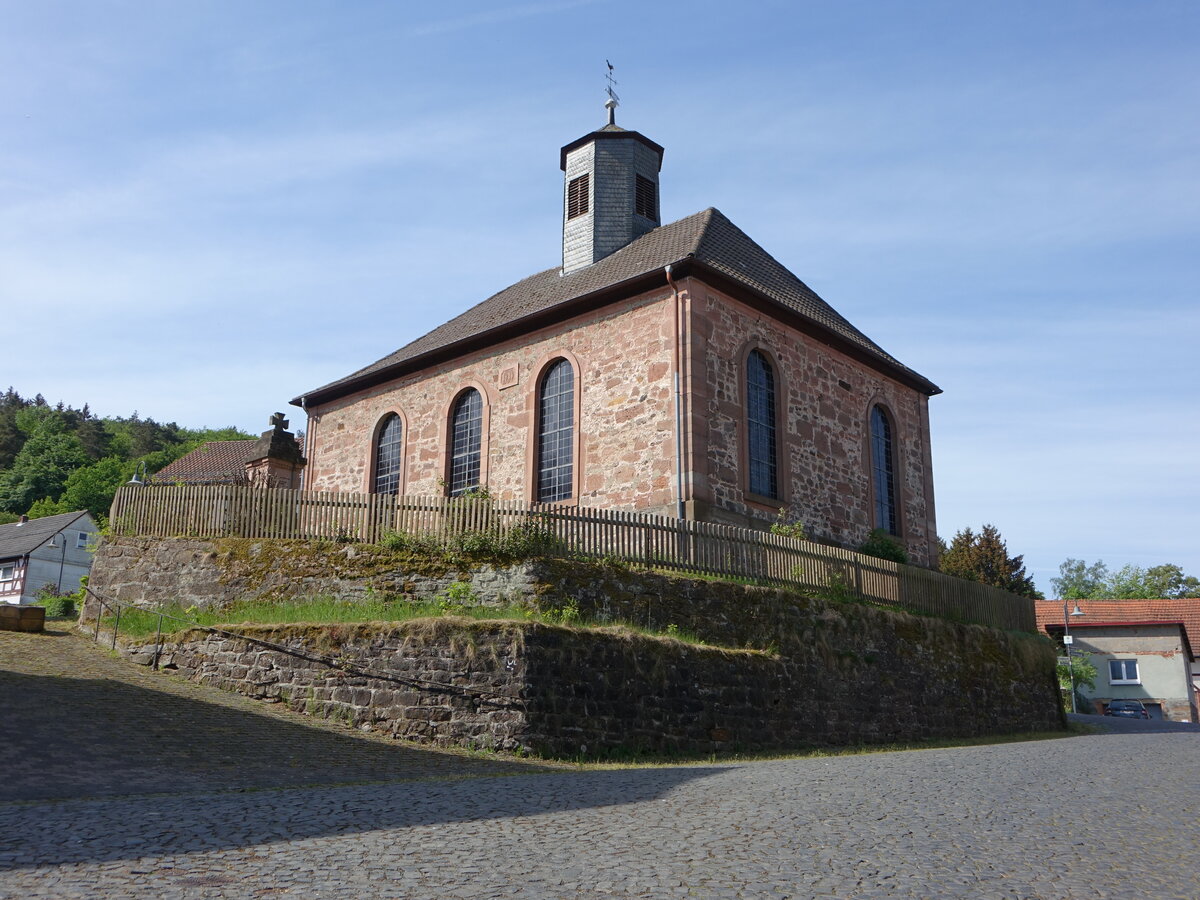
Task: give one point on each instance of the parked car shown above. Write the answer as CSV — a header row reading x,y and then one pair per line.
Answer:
x,y
1127,709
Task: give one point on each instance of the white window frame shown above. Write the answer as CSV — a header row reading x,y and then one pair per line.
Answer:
x,y
11,569
1125,663
81,540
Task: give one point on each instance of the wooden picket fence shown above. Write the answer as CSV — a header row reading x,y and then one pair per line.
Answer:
x,y
214,511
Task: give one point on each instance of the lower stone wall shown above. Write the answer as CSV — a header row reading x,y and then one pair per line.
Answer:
x,y
857,675
795,671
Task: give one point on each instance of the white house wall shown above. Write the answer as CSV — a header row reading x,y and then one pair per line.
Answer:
x,y
1163,668
60,567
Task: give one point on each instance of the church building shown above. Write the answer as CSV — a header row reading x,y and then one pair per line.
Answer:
x,y
677,369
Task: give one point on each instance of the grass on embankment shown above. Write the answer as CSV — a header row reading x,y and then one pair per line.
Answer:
x,y
142,624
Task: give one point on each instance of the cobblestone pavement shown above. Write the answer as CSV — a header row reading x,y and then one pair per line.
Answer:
x,y
1098,816
79,722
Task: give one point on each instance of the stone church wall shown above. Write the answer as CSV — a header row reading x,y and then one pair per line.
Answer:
x,y
824,400
625,443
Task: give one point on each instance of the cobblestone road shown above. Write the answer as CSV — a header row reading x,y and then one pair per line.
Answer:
x,y
217,812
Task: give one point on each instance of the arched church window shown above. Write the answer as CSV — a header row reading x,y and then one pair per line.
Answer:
x,y
556,433
883,479
466,439
388,446
761,405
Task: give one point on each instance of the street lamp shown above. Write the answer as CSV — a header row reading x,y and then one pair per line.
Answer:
x,y
1067,641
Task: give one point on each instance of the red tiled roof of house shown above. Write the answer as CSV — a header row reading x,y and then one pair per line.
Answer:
x,y
215,462
1129,612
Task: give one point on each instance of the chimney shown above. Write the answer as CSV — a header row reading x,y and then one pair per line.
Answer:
x,y
24,518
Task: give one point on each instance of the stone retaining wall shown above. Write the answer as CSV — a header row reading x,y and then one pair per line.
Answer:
x,y
796,671
854,675
215,573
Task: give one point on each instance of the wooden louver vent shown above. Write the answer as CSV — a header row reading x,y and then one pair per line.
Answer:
x,y
645,198
577,196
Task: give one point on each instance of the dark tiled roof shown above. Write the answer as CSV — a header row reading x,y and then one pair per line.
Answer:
x,y
17,540
215,462
1096,612
707,238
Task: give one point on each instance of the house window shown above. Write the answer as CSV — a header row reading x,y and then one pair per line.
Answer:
x,y
882,471
645,198
556,433
81,540
577,196
1123,671
387,455
760,426
466,438
8,574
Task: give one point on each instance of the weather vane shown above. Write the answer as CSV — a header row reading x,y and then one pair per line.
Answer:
x,y
613,100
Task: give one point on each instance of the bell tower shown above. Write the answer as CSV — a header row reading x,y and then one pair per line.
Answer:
x,y
610,191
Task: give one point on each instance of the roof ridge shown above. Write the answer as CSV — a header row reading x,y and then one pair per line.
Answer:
x,y
709,237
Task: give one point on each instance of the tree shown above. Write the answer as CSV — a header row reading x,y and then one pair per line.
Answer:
x,y
41,468
1084,674
984,558
1173,583
93,487
1079,581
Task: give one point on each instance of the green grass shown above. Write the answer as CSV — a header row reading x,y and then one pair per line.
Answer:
x,y
140,624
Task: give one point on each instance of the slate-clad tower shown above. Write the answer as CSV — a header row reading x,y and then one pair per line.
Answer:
x,y
610,193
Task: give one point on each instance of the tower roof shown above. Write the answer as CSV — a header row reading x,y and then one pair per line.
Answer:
x,y
608,132
707,244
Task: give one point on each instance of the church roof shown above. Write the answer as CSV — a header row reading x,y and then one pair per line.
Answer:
x,y
707,242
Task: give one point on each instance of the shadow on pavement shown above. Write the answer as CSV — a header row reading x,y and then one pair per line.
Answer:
x,y
82,734
150,828
69,737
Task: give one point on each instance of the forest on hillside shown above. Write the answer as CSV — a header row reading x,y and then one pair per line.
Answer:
x,y
56,459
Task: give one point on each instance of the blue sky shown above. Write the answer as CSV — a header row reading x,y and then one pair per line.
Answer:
x,y
207,208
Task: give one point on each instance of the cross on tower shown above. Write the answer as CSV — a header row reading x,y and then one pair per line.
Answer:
x,y
278,422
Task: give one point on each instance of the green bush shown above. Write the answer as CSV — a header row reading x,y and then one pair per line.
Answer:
x,y
524,541
409,543
57,605
786,524
882,545
530,540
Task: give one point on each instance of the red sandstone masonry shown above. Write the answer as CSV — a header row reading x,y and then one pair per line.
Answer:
x,y
825,454
625,455
623,358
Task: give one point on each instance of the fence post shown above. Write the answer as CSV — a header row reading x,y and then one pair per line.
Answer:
x,y
158,637
116,625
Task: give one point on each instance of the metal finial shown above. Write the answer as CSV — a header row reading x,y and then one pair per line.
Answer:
x,y
613,100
